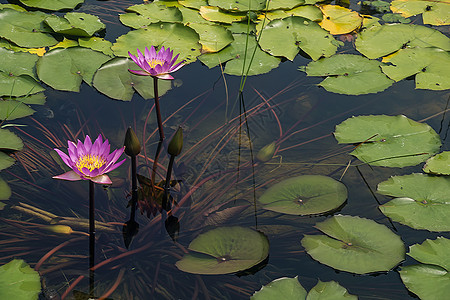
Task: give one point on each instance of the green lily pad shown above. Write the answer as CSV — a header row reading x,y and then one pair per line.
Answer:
x,y
114,80
433,12
234,56
430,280
330,290
355,244
10,141
284,4
144,14
215,14
282,288
38,99
52,4
12,6
13,109
304,195
310,12
239,5
225,250
287,36
74,23
5,190
97,44
6,161
430,65
213,38
424,201
438,164
179,38
349,74
390,141
25,29
65,69
395,18
18,63
193,3
19,281
16,86
378,41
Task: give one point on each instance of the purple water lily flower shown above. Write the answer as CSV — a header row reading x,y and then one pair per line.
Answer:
x,y
154,64
90,161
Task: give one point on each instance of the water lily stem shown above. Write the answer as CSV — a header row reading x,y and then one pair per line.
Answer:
x,y
91,237
158,110
165,203
134,191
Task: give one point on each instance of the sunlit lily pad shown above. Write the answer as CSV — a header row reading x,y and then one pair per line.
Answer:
x,y
19,281
213,38
433,12
114,80
225,250
52,4
390,141
181,39
355,244
97,44
424,201
13,109
74,23
193,3
349,74
5,190
12,6
304,195
284,4
16,86
234,56
25,29
430,65
64,44
430,280
378,41
287,36
144,14
282,288
18,63
330,290
239,5
339,20
65,69
310,12
438,164
215,14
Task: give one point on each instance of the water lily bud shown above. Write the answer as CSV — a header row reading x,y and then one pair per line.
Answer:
x,y
266,153
131,143
64,229
176,144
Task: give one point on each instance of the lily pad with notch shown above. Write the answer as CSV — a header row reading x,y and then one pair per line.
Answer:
x,y
141,15
389,141
74,23
225,250
423,201
355,245
304,195
433,12
438,164
431,278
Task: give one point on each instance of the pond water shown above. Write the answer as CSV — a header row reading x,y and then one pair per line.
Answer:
x,y
214,169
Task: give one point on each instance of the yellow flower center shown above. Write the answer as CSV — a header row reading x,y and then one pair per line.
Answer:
x,y
90,162
154,62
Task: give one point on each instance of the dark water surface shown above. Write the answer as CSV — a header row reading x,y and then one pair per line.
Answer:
x,y
309,148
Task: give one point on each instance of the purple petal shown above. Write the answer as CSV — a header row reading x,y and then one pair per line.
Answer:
x,y
165,76
152,52
101,179
139,72
174,59
71,176
65,158
87,144
94,172
80,149
113,167
147,54
176,67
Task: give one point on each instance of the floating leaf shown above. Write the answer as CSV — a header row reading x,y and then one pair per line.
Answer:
x,y
330,290
193,3
282,288
390,141
304,195
13,109
378,41
339,20
12,6
349,74
10,141
355,244
74,23
25,29
215,14
430,280
65,43
284,4
225,250
430,65
5,190
16,86
310,12
7,45
235,56
287,36
395,18
52,4
6,161
213,38
97,44
239,5
424,202
179,38
65,69
38,99
144,14
438,164
433,12
114,80
19,281
18,63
